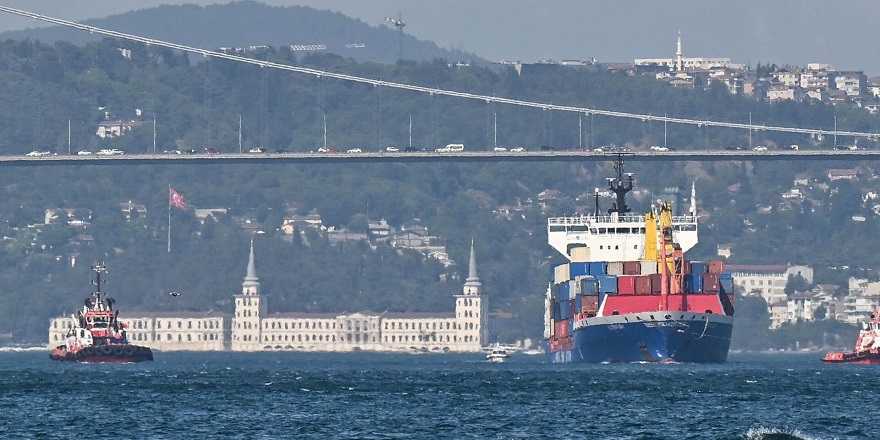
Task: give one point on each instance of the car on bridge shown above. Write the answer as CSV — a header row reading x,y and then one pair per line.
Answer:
x,y
38,154
109,152
257,150
659,148
326,150
212,151
499,149
759,148
517,150
392,149
355,151
83,153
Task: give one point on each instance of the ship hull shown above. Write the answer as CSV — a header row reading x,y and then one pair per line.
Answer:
x,y
110,353
696,338
866,357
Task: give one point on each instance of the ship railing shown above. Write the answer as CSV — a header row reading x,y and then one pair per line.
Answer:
x,y
594,219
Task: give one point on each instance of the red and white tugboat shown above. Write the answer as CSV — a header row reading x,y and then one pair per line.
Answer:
x,y
98,336
867,350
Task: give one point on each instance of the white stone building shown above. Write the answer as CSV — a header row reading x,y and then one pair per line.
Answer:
x,y
465,330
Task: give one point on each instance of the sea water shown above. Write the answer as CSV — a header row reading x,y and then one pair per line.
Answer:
x,y
382,396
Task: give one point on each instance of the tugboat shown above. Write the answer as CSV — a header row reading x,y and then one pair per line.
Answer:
x,y
867,349
98,336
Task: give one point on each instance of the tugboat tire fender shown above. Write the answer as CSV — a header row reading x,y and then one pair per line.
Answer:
x,y
117,351
106,349
128,351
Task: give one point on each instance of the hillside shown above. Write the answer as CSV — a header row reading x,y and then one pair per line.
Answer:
x,y
197,105
249,23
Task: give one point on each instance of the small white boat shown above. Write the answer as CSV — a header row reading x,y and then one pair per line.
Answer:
x,y
498,355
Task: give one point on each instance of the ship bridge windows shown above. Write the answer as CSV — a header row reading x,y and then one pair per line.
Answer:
x,y
557,228
578,228
684,227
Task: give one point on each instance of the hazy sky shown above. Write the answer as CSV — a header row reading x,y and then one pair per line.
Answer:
x,y
839,32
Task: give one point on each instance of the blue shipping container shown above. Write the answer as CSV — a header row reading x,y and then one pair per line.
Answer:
x,y
699,267
564,311
726,285
578,302
607,283
589,286
557,316
597,268
578,269
693,283
725,276
564,290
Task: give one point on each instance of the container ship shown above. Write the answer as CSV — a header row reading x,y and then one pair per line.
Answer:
x,y
627,293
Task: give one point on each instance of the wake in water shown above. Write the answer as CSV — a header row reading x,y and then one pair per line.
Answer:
x,y
775,434
19,349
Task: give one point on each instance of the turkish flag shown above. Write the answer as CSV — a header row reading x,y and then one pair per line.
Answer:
x,y
177,200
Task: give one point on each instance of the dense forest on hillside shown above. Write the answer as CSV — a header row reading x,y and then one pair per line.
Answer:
x,y
199,105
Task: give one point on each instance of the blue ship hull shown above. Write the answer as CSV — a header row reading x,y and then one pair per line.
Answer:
x,y
701,338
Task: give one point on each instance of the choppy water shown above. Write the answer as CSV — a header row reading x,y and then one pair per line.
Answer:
x,y
360,395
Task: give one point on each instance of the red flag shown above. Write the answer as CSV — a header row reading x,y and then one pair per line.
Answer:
x,y
177,200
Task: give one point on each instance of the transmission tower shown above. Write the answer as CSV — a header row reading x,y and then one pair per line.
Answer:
x,y
399,24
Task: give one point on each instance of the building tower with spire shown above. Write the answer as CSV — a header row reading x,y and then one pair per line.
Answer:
x,y
249,308
471,311
679,60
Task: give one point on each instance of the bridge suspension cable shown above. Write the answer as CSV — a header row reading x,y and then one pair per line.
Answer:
x,y
429,90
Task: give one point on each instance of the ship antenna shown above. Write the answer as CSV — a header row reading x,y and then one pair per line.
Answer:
x,y
597,202
620,186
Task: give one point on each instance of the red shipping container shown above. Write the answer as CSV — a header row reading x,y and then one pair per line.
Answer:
x,y
590,304
643,285
626,285
562,329
711,283
716,267
632,267
656,283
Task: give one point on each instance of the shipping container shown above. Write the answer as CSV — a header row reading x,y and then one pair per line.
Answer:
x,y
561,328
578,302
710,283
589,285
564,292
614,268
579,254
574,288
632,267
607,283
564,310
626,285
648,267
557,314
578,269
560,273
656,282
572,309
643,284
699,267
716,266
726,283
693,283
597,268
590,305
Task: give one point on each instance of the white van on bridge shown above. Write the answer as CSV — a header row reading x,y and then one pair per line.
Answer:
x,y
451,148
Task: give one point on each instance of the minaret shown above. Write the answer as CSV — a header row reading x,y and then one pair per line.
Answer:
x,y
249,308
679,62
471,312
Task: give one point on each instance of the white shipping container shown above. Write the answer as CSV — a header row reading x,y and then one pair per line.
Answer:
x,y
580,254
561,274
614,268
649,267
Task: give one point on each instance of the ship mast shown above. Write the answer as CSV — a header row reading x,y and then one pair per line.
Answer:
x,y
620,185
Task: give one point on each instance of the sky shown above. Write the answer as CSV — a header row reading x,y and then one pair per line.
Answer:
x,y
837,32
